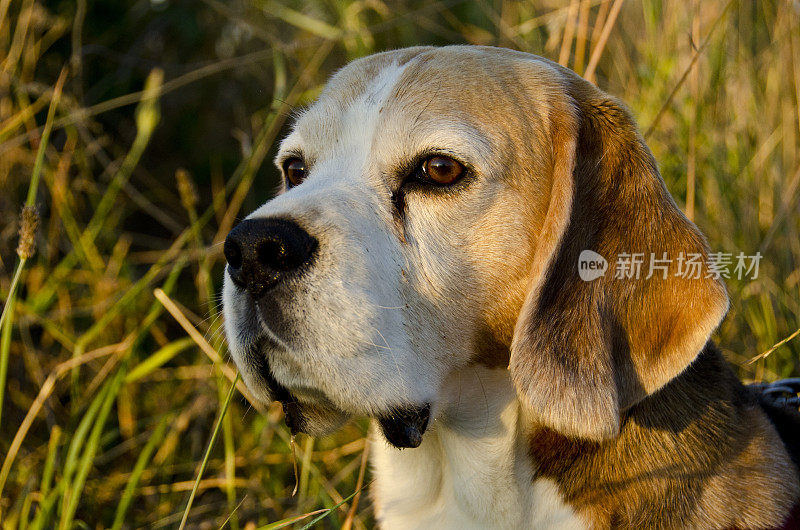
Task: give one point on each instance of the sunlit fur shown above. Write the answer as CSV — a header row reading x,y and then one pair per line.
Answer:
x,y
467,298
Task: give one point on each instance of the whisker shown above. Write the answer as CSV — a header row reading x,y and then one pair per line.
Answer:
x,y
394,359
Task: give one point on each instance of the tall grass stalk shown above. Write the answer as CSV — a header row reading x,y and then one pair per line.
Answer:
x,y
208,452
147,118
72,492
138,469
5,341
27,232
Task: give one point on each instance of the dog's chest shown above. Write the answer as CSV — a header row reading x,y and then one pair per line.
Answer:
x,y
471,470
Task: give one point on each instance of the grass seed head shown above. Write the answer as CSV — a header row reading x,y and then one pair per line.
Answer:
x,y
29,221
186,189
148,113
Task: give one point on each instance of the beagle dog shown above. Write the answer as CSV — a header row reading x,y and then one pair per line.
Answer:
x,y
421,267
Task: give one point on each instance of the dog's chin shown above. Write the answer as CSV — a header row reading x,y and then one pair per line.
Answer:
x,y
312,419
402,427
315,418
313,414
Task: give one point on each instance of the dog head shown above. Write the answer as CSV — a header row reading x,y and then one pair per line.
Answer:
x,y
435,205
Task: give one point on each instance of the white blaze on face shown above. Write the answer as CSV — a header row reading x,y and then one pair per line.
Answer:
x,y
338,331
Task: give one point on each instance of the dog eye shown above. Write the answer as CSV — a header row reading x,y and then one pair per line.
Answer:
x,y
295,170
442,170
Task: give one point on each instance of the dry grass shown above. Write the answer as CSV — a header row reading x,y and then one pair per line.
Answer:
x,y
109,395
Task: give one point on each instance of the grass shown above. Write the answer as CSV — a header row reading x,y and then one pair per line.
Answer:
x,y
114,379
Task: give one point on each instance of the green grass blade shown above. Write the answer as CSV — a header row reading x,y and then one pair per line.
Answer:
x,y
5,343
45,510
158,358
331,510
89,452
76,443
48,128
230,459
12,290
291,520
50,463
138,469
208,451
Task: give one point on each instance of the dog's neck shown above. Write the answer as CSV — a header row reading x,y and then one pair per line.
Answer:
x,y
475,466
472,469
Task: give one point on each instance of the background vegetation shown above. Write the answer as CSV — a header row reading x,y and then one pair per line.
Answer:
x,y
109,394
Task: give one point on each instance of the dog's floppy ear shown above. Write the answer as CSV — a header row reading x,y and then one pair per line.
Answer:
x,y
585,351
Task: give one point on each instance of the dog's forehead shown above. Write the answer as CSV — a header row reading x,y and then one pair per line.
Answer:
x,y
359,77
474,85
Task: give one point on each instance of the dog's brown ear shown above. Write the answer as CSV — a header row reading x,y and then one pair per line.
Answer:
x,y
586,350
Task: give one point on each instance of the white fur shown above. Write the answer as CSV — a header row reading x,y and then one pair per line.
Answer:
x,y
472,470
348,306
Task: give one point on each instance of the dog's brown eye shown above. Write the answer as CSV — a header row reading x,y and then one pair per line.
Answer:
x,y
443,170
295,170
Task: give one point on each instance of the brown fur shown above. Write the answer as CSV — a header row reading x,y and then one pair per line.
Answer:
x,y
692,455
633,438
604,345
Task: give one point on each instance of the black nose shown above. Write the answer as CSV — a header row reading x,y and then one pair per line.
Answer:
x,y
261,252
